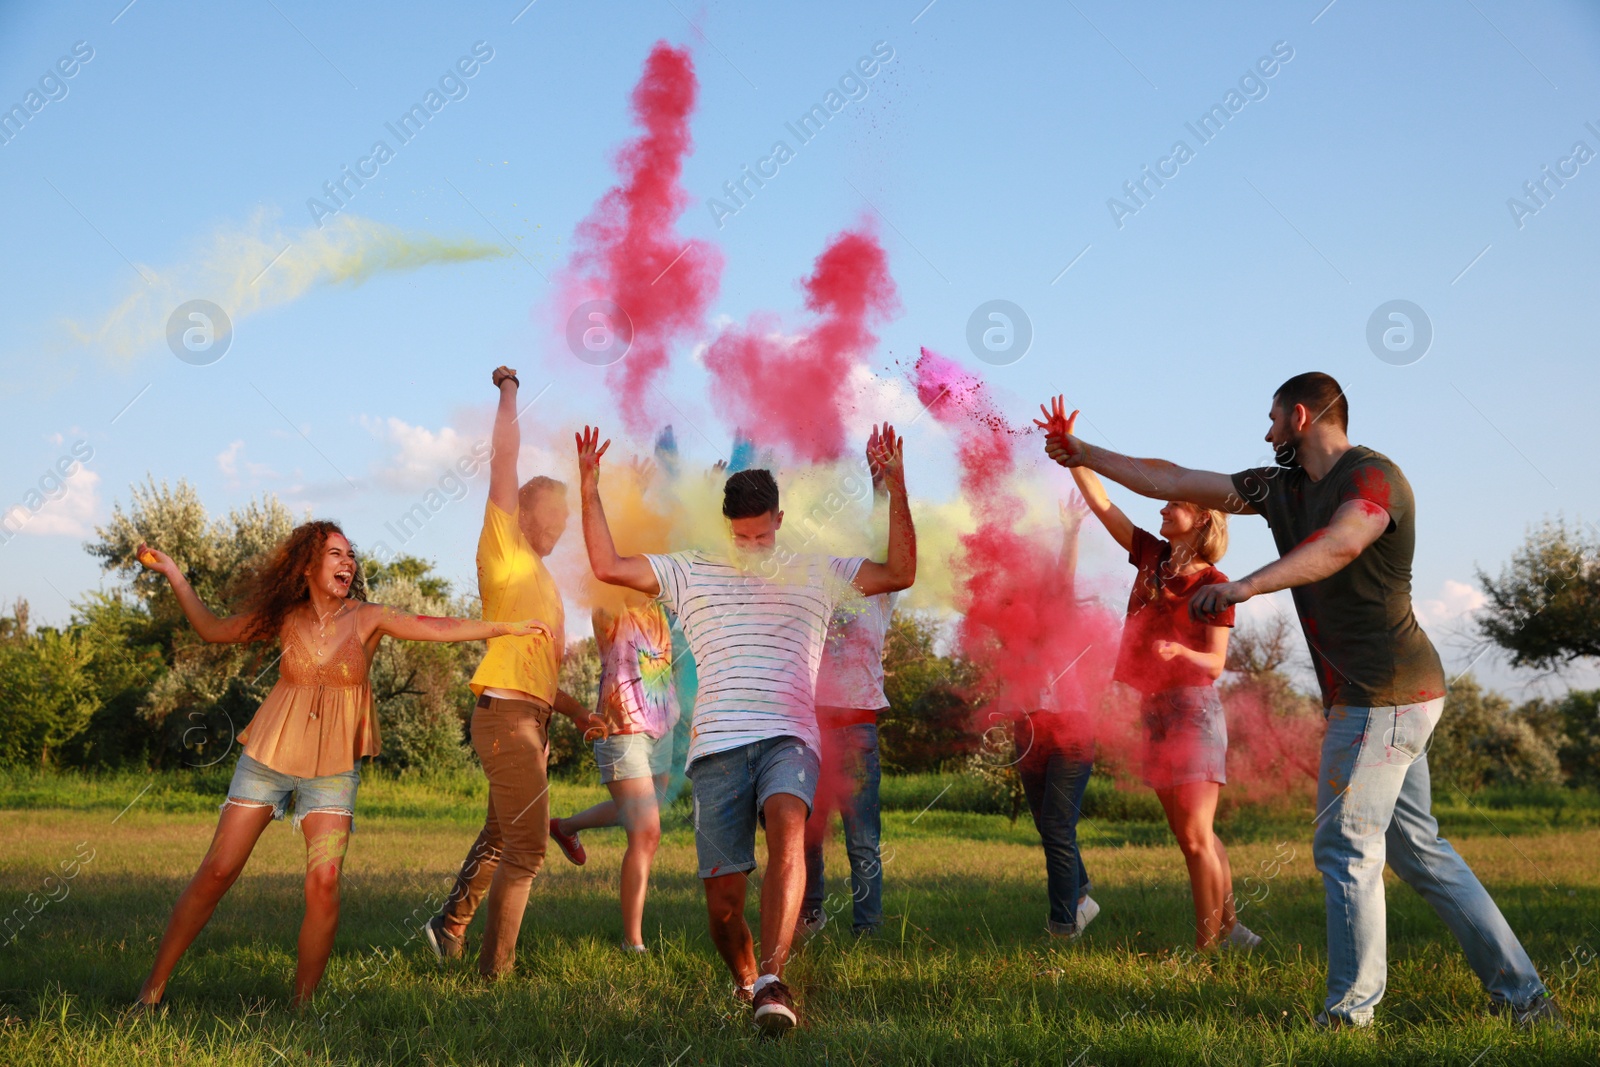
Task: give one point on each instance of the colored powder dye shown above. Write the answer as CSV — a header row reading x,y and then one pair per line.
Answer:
x,y
790,392
627,249
1018,623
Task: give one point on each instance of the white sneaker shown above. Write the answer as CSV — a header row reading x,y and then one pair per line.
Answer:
x,y
1241,939
813,923
1087,910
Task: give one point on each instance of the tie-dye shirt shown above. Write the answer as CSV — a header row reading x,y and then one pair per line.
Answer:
x,y
636,691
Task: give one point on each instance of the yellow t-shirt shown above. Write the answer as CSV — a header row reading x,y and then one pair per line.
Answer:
x,y
515,584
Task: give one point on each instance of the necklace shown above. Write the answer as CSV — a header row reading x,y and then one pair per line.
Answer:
x,y
323,622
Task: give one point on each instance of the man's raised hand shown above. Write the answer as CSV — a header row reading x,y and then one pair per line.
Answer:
x,y
1060,444
886,456
589,452
501,374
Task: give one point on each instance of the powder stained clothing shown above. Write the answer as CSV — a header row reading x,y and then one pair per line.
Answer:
x,y
1158,610
514,584
851,675
636,691
319,719
757,637
1365,642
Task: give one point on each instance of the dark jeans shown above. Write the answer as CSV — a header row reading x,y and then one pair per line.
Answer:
x,y
1054,780
853,753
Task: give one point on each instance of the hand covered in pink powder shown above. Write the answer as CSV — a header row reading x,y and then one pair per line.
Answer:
x,y
1059,442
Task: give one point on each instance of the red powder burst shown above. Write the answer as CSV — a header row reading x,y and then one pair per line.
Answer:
x,y
792,392
627,249
1018,625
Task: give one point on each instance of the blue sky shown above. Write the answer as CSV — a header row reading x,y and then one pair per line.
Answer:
x,y
1375,164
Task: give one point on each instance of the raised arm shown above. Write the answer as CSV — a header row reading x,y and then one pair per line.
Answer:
x,y
391,622
1155,478
631,572
206,623
505,443
886,454
1353,527
1072,510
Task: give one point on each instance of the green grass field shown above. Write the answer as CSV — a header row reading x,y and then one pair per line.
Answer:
x,y
962,972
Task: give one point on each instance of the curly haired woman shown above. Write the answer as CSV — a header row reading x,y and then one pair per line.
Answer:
x,y
306,741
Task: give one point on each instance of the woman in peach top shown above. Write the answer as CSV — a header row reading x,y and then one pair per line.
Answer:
x,y
308,738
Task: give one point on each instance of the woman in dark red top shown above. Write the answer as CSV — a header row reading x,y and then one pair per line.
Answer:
x,y
1172,660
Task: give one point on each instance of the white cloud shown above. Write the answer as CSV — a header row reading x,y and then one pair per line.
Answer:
x,y
1457,599
420,456
229,462
69,515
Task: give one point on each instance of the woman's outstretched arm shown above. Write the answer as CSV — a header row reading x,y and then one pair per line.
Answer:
x,y
225,631
391,622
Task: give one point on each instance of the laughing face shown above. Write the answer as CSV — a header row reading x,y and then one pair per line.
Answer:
x,y
336,570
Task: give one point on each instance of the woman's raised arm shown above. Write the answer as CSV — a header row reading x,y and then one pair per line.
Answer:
x,y
223,631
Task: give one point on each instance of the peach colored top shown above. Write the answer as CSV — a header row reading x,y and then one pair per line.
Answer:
x,y
319,719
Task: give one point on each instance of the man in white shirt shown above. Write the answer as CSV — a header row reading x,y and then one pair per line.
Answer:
x,y
756,619
850,695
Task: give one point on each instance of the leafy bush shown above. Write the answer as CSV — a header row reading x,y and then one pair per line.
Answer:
x,y
1481,741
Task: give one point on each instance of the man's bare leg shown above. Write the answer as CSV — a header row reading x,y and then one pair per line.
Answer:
x,y
784,884
729,932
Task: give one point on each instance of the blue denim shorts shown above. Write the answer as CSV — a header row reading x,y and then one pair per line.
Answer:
x,y
731,788
1186,737
257,785
624,756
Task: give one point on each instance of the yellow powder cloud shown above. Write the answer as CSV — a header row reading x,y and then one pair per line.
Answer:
x,y
261,265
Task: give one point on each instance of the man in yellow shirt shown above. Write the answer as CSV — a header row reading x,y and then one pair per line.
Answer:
x,y
516,686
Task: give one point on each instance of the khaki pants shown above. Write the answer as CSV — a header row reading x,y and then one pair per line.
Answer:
x,y
511,738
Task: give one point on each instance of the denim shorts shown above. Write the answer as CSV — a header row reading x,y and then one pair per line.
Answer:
x,y
1186,737
624,756
730,790
255,785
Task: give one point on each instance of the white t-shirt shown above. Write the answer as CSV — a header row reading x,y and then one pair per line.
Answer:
x,y
757,642
852,661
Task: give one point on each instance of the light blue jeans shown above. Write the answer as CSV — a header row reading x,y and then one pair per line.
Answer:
x,y
1374,804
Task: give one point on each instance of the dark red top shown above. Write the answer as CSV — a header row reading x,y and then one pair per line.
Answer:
x,y
1158,610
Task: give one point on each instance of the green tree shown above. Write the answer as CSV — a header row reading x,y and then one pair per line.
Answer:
x,y
927,726
46,692
208,691
418,571
419,688
1481,741
1544,609
1571,724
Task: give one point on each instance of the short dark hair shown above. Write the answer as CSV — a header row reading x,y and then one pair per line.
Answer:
x,y
749,493
1320,394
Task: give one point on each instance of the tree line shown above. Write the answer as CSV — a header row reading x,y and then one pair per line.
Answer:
x,y
127,683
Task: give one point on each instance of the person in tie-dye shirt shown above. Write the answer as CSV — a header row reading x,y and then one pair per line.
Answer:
x,y
639,703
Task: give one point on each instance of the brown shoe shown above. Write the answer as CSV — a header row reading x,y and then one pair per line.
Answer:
x,y
445,946
774,1010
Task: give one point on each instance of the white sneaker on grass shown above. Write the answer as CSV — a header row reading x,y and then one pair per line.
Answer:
x,y
1088,908
1241,939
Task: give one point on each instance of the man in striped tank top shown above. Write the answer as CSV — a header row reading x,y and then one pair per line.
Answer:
x,y
756,618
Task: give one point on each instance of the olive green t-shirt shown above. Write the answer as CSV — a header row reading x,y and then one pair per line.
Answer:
x,y
1365,643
